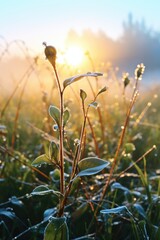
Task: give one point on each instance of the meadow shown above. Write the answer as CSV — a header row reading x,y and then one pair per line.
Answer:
x,y
79,150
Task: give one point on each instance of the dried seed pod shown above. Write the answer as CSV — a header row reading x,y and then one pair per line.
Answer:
x,y
50,53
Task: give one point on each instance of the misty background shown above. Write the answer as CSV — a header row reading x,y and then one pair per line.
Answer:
x,y
137,44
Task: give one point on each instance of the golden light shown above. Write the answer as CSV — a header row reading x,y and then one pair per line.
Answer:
x,y
72,56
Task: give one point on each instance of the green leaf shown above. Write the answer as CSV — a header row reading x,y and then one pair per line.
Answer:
x,y
83,95
144,180
157,237
91,165
54,152
142,225
56,229
55,175
44,190
41,190
55,114
76,78
66,116
75,185
43,159
140,210
117,210
93,104
119,186
102,90
8,214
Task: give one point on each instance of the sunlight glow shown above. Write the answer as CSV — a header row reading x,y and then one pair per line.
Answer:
x,y
72,56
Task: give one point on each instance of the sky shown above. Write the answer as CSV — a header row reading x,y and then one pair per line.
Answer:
x,y
35,21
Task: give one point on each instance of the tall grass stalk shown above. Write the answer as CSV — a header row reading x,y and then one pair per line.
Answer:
x,y
28,72
94,94
18,111
124,128
138,75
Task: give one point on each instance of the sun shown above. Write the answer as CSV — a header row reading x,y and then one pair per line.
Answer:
x,y
74,55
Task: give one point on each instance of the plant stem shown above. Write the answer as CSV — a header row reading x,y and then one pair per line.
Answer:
x,y
137,161
27,73
134,97
99,111
61,134
119,145
76,160
94,137
18,111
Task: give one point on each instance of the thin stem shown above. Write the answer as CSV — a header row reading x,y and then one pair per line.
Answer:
x,y
94,137
61,134
142,114
61,138
76,160
138,160
28,72
116,156
57,80
119,145
26,161
18,111
85,115
98,110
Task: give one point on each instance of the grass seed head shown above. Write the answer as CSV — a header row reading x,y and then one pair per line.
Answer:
x,y
139,71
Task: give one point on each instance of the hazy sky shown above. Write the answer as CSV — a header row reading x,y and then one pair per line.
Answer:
x,y
35,21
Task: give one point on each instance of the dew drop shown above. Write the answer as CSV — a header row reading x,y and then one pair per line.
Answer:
x,y
55,128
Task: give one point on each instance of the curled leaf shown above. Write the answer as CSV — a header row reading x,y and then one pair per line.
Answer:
x,y
44,190
41,190
73,79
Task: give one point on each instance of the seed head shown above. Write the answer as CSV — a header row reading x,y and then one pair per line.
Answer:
x,y
126,79
50,53
139,71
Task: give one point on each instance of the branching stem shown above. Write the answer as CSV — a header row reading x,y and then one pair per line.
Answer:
x,y
61,134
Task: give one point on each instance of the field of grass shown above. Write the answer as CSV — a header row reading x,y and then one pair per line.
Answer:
x,y
79,154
